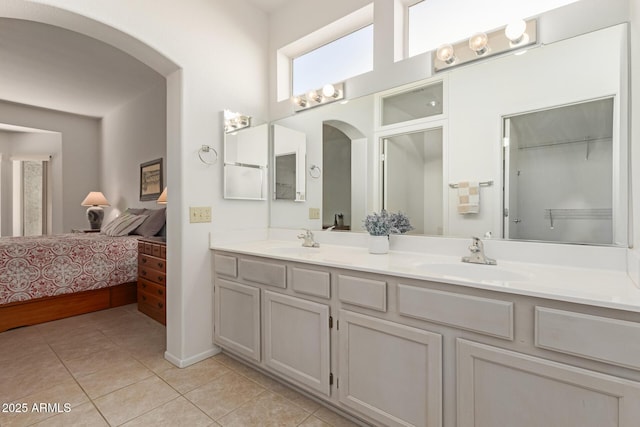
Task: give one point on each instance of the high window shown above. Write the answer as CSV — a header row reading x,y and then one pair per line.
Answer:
x,y
436,22
336,61
331,54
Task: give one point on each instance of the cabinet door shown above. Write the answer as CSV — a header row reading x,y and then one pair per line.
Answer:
x,y
390,372
498,387
237,318
296,334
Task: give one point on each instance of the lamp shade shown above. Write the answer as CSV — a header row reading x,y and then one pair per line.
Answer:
x,y
163,197
95,198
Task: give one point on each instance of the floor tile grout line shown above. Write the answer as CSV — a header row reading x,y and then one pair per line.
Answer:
x,y
81,388
244,370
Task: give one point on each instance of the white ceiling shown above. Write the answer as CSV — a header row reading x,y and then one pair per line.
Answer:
x,y
268,5
50,67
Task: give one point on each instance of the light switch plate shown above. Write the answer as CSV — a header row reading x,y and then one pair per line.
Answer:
x,y
199,214
314,213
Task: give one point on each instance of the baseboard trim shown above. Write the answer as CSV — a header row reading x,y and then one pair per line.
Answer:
x,y
183,363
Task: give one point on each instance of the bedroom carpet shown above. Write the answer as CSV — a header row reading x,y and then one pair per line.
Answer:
x,y
107,368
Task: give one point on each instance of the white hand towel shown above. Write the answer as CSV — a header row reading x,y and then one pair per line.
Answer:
x,y
468,197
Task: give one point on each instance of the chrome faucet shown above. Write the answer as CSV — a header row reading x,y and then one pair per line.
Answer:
x,y
309,241
477,254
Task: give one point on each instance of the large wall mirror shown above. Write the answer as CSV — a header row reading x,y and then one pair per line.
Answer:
x,y
246,156
455,129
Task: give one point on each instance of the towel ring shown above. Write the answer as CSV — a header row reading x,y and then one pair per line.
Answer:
x,y
315,175
203,152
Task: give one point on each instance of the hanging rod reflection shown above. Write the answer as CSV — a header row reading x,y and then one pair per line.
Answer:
x,y
572,141
585,213
481,184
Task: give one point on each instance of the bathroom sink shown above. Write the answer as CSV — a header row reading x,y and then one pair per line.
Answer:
x,y
475,272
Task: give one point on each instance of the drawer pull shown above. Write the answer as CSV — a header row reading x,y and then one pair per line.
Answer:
x,y
160,278
144,285
160,305
160,292
160,265
144,298
143,272
144,260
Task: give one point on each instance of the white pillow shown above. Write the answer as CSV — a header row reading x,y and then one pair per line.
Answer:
x,y
123,225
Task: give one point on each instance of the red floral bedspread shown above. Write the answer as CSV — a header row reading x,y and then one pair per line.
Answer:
x,y
39,266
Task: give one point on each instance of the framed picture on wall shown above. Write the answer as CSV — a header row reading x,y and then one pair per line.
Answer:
x,y
151,180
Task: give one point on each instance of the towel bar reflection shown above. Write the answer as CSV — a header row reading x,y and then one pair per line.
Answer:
x,y
481,184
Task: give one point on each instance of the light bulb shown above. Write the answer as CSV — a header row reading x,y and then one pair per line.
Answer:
x,y
300,101
515,31
313,95
479,43
445,54
329,91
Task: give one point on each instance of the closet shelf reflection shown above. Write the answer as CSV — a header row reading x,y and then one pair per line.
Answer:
x,y
585,213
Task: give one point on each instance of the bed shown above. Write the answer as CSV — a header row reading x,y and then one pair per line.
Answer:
x,y
44,278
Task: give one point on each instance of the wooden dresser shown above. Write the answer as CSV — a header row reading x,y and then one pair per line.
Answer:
x,y
152,273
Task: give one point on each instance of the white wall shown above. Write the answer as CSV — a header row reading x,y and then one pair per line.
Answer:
x,y
220,49
133,133
78,160
635,122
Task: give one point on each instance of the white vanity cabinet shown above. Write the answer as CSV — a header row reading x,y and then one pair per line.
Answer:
x,y
390,372
237,318
277,318
296,335
497,387
399,351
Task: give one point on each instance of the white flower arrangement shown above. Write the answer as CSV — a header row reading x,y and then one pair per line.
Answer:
x,y
385,223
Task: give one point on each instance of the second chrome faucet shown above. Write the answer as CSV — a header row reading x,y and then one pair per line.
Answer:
x,y
308,239
477,254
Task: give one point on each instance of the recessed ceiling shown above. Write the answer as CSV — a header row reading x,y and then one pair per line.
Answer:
x,y
54,68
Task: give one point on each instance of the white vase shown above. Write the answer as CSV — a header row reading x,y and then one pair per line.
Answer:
x,y
378,244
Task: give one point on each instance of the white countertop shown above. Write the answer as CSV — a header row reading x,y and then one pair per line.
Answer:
x,y
597,287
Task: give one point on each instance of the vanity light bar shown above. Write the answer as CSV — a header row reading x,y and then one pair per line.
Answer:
x,y
314,98
514,36
235,121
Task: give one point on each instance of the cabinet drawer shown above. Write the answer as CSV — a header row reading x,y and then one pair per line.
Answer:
x,y
363,292
151,288
593,337
311,282
151,274
153,249
483,315
152,262
226,265
152,306
266,273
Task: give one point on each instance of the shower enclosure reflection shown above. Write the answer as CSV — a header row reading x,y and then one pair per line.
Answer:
x,y
559,174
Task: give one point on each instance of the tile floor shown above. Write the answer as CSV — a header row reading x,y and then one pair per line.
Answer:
x,y
108,369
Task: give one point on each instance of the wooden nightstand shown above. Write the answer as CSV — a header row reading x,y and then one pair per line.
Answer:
x,y
152,269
